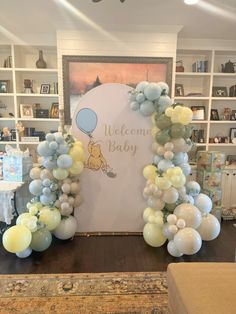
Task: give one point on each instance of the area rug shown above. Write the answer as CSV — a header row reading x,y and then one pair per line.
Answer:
x,y
109,293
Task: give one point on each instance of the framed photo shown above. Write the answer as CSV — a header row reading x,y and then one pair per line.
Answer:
x,y
54,111
45,89
82,73
233,115
179,90
214,114
26,111
219,91
198,112
4,86
232,135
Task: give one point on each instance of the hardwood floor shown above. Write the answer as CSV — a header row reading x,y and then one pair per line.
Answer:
x,y
115,254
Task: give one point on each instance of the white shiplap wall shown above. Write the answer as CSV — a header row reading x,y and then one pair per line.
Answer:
x,y
114,44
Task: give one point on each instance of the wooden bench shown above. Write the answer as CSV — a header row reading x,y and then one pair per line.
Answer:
x,y
202,288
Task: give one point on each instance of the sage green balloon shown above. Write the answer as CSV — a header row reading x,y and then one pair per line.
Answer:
x,y
41,240
162,121
177,130
163,137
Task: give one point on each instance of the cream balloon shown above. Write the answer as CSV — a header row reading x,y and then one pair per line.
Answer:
x,y
35,173
147,213
60,174
153,235
66,229
166,232
190,214
170,196
209,229
188,241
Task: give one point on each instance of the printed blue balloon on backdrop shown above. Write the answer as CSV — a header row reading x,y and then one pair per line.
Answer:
x,y
86,120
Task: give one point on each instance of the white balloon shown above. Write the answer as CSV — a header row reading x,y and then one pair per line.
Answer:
x,y
63,198
209,229
190,213
181,223
65,188
172,249
170,196
188,241
171,219
169,146
71,200
173,229
23,254
166,232
35,173
203,203
66,228
74,187
160,150
46,174
168,155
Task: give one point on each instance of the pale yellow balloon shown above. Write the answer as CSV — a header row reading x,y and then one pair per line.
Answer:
x,y
162,183
77,153
78,143
153,118
169,111
177,170
51,217
150,172
154,131
60,174
153,235
16,239
178,180
22,216
147,213
77,167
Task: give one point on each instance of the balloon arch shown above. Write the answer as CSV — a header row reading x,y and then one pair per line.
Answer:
x,y
176,210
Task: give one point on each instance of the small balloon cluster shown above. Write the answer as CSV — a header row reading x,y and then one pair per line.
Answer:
x,y
55,187
176,210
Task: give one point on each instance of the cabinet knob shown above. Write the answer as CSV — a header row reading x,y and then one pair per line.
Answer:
x,y
234,174
227,174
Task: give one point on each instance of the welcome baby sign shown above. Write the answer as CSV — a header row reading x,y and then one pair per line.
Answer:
x,y
118,145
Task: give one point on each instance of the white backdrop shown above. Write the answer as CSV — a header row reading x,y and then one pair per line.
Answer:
x,y
114,204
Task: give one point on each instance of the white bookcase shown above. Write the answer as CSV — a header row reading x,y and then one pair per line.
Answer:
x,y
23,66
198,87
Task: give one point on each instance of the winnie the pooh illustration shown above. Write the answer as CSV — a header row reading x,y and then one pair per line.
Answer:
x,y
96,160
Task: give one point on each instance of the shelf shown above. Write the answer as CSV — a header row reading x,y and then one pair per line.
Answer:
x,y
224,98
29,143
6,69
38,119
225,74
6,94
223,121
191,98
193,73
199,121
7,142
36,95
222,145
7,119
200,144
36,70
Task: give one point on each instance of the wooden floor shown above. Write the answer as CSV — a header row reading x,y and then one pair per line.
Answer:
x,y
115,254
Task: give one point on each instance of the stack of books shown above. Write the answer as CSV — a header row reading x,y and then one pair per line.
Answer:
x,y
200,66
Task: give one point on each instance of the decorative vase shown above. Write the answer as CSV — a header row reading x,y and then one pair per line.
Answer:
x,y
40,63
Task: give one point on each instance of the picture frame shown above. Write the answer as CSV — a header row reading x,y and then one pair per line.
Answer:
x,y
233,115
45,89
179,90
198,112
232,135
26,111
219,91
214,114
54,111
4,86
82,73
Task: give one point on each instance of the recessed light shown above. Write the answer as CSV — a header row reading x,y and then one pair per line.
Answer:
x,y
191,2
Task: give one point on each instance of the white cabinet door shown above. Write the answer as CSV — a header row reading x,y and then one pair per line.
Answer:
x,y
227,188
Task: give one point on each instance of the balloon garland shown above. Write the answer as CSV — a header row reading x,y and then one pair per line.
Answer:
x,y
55,187
176,211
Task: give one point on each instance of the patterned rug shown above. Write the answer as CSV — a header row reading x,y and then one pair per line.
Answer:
x,y
110,293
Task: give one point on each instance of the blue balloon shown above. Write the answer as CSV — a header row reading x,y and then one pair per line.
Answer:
x,y
86,120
